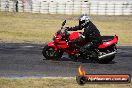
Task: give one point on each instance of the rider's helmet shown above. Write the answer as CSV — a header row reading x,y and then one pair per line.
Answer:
x,y
84,20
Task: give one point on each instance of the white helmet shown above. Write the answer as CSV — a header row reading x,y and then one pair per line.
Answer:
x,y
83,20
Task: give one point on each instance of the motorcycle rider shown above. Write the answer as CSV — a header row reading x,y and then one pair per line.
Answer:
x,y
91,34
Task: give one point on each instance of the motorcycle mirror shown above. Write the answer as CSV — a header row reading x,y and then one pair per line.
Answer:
x,y
64,22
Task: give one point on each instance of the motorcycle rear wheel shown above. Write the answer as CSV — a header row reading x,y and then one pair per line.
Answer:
x,y
49,53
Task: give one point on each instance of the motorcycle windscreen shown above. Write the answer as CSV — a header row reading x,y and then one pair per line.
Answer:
x,y
74,35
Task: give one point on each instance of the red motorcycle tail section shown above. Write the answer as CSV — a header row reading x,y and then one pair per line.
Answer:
x,y
109,43
74,35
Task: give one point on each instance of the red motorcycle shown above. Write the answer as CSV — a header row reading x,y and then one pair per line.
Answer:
x,y
105,53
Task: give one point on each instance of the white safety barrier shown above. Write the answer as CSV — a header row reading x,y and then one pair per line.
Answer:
x,y
94,7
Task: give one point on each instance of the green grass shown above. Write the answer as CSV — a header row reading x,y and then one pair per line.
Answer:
x,y
39,28
53,83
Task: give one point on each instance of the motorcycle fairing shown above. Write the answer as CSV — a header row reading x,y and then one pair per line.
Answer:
x,y
59,45
52,44
62,44
74,35
109,43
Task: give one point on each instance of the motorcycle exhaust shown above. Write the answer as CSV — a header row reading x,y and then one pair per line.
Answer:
x,y
107,55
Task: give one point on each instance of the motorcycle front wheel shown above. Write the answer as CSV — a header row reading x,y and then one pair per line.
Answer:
x,y
49,53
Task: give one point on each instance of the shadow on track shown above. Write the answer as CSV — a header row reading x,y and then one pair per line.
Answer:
x,y
65,59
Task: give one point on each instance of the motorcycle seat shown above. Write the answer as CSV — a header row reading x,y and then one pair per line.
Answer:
x,y
107,38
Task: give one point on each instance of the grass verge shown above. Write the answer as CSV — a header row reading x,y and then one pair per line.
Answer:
x,y
53,83
39,28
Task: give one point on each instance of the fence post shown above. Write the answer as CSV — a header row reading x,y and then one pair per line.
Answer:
x,y
122,9
106,8
72,6
65,8
81,7
56,7
48,8
131,9
97,8
114,8
31,3
130,13
40,7
23,6
89,8
7,6
16,5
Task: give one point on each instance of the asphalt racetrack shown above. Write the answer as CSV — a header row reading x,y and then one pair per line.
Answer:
x,y
26,60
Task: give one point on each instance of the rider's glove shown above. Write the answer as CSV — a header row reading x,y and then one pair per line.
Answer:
x,y
68,28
